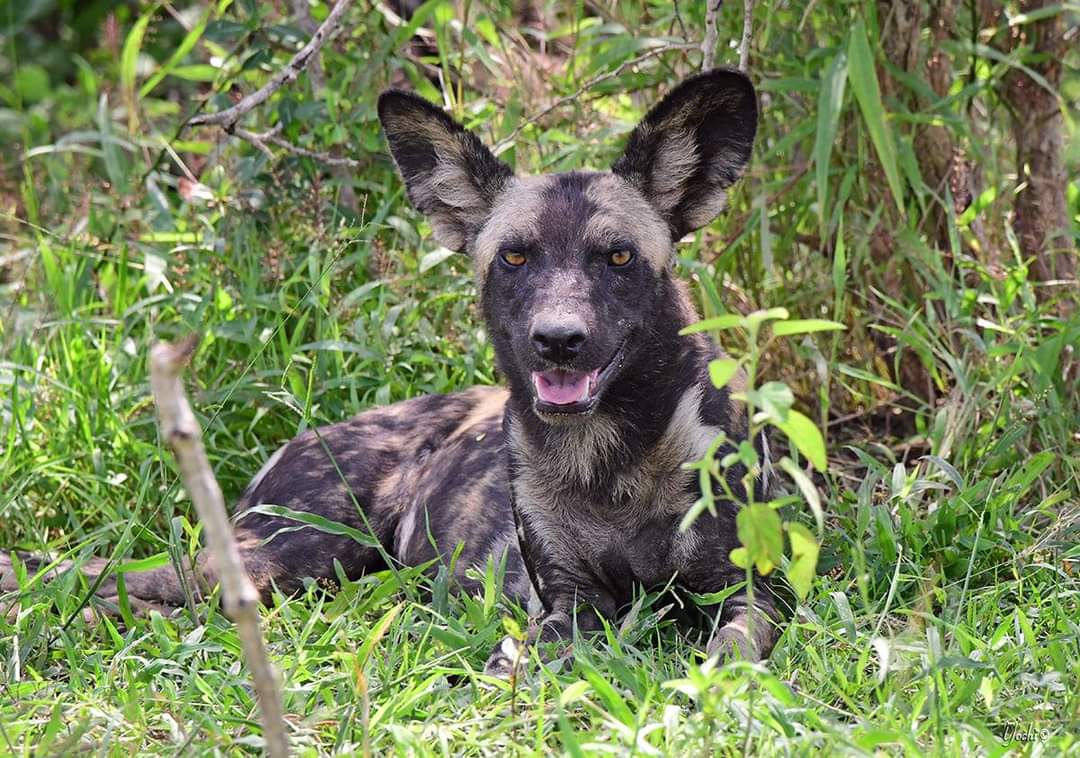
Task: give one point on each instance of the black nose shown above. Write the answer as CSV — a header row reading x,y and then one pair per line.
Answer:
x,y
558,339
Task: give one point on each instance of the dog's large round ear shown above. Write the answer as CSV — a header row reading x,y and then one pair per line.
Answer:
x,y
449,174
691,147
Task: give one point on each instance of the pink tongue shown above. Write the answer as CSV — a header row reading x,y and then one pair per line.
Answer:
x,y
562,387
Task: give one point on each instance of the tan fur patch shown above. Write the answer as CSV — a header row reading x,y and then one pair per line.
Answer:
x,y
490,404
514,215
625,213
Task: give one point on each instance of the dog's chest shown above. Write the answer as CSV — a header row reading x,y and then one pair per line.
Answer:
x,y
594,513
622,530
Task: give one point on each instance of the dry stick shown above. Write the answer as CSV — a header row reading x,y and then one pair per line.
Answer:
x,y
239,597
587,86
316,75
227,118
712,34
261,139
708,46
747,27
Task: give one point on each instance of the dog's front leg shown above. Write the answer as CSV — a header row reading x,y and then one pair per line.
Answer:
x,y
747,631
580,608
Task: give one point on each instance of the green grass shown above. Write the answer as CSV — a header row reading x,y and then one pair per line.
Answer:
x,y
946,617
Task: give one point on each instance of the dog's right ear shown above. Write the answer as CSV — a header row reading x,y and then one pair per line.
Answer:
x,y
449,174
691,147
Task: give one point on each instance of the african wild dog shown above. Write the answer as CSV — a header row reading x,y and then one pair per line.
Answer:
x,y
574,471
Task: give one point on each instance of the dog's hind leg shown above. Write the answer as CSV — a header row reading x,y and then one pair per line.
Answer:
x,y
277,563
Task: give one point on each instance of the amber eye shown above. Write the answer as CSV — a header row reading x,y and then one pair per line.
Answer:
x,y
620,257
510,258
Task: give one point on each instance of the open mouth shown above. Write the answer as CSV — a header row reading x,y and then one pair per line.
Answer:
x,y
568,392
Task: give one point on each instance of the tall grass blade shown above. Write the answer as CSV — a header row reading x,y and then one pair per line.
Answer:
x,y
864,84
830,104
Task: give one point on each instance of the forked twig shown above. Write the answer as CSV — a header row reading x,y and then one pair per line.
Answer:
x,y
271,137
712,34
227,118
588,86
239,598
747,27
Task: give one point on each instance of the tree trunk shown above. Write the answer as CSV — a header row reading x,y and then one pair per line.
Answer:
x,y
1042,219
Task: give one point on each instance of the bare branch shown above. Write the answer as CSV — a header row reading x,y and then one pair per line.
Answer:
x,y
227,118
261,140
240,600
708,46
747,27
712,34
587,86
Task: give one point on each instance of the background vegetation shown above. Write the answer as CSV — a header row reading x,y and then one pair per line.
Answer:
x,y
914,178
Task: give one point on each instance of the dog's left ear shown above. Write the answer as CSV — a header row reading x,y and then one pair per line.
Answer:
x,y
691,147
449,174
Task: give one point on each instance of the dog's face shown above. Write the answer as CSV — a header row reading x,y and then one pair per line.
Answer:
x,y
570,266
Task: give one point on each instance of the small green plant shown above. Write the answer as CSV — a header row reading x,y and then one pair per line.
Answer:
x,y
760,528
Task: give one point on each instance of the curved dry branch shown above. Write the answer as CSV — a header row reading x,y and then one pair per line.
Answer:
x,y
239,597
712,34
228,118
747,28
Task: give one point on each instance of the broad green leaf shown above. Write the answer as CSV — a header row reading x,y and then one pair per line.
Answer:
x,y
830,102
758,317
434,258
512,628
805,326
809,491
805,435
804,555
721,370
719,323
573,692
31,82
864,84
740,557
775,398
762,534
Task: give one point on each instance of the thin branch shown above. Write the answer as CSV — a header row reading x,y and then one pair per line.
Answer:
x,y
240,600
712,34
747,27
262,140
589,85
227,118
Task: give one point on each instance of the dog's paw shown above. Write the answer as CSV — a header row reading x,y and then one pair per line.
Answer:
x,y
507,660
732,643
